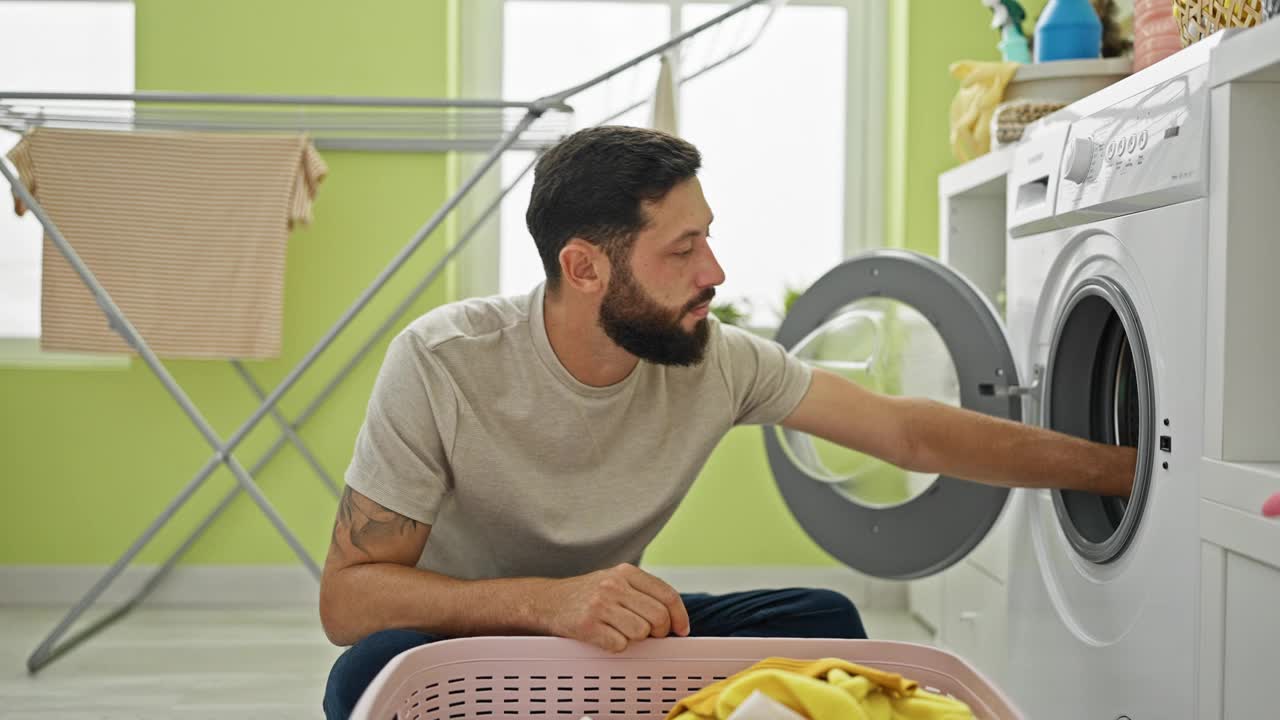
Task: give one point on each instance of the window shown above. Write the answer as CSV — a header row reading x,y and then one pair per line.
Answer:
x,y
544,47
53,46
784,130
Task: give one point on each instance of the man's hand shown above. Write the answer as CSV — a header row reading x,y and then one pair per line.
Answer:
x,y
611,608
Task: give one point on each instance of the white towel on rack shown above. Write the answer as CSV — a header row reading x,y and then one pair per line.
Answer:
x,y
666,100
186,231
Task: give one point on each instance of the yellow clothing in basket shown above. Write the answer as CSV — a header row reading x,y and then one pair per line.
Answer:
x,y
827,689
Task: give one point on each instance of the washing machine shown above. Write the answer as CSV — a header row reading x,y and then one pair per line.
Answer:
x,y
1106,306
1107,255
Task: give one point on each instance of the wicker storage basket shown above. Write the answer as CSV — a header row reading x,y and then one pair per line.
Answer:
x,y
1198,19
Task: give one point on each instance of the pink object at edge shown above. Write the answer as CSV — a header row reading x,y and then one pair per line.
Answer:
x,y
1155,32
1271,508
497,677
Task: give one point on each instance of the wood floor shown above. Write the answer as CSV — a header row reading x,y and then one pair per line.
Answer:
x,y
189,663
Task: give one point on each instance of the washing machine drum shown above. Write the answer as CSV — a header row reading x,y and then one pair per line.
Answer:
x,y
899,323
1099,387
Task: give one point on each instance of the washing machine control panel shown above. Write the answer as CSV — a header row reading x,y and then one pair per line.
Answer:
x,y
1142,152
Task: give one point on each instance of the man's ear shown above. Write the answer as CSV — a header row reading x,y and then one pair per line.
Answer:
x,y
584,266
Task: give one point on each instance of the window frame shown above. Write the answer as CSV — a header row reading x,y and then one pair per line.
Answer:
x,y
480,75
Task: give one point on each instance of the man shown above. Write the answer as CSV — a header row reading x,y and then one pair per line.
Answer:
x,y
519,453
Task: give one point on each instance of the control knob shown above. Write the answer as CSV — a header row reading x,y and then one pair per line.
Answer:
x,y
1078,160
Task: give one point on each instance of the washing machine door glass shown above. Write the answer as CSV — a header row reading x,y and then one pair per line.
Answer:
x,y
887,346
902,324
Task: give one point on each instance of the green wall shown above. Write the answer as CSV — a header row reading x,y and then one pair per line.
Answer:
x,y
734,515
90,457
926,36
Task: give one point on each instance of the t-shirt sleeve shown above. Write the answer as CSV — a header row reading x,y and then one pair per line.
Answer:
x,y
765,381
22,159
401,453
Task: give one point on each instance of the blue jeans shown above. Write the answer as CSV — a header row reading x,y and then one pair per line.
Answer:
x,y
758,613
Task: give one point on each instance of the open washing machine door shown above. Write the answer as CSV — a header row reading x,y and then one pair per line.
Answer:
x,y
899,323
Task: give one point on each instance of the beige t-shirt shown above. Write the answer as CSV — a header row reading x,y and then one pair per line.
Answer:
x,y
476,428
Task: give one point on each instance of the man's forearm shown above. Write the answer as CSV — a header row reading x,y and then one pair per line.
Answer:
x,y
360,600
978,447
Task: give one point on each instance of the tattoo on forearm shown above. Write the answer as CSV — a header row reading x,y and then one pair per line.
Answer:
x,y
364,520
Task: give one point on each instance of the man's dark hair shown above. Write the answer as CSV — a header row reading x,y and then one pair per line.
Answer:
x,y
592,183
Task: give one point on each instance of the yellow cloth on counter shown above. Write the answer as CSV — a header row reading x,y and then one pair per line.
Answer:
x,y
982,87
848,692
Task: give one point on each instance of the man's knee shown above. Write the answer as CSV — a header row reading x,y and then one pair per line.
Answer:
x,y
361,663
840,612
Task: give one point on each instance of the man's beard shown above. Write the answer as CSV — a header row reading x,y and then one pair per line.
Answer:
x,y
646,329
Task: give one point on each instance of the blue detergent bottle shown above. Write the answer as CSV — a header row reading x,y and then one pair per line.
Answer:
x,y
1068,30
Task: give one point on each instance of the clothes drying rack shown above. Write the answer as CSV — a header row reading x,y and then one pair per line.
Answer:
x,y
375,124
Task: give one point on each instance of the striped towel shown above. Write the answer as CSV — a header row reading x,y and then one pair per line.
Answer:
x,y
186,231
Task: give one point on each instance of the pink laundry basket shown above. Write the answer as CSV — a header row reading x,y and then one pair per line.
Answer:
x,y
554,679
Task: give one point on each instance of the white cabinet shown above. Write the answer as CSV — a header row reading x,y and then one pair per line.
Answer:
x,y
967,604
992,554
924,600
974,623
1240,594
1251,643
1240,547
971,217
